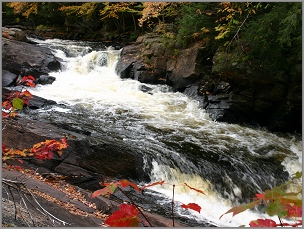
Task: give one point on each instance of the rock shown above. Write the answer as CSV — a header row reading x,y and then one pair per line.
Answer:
x,y
149,61
14,34
82,164
258,95
76,207
82,157
8,78
188,67
27,59
43,79
230,88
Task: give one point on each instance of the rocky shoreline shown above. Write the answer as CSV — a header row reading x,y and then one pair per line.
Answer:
x,y
67,205
83,173
227,95
232,91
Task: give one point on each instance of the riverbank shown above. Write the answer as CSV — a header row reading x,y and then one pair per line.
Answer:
x,y
64,190
233,92
67,205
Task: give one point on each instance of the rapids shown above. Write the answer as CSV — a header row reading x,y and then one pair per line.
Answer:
x,y
178,140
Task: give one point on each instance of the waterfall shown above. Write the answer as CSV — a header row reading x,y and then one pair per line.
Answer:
x,y
178,140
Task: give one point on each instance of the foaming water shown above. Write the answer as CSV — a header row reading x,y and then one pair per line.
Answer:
x,y
180,143
213,205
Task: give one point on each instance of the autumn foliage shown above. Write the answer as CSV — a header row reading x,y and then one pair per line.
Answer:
x,y
15,100
128,214
285,205
278,202
42,150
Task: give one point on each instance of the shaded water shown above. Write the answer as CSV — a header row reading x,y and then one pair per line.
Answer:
x,y
178,140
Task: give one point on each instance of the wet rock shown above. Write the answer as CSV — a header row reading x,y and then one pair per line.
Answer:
x,y
8,78
258,95
43,79
149,61
81,157
27,59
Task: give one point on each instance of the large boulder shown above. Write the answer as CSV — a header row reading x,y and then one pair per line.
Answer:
x,y
255,93
23,59
82,158
14,34
149,60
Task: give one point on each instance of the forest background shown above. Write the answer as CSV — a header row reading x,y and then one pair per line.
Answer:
x,y
271,31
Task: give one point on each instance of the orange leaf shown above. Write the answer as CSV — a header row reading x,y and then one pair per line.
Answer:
x,y
126,183
197,190
153,184
238,209
26,93
192,206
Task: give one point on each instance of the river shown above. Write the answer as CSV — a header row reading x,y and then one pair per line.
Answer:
x,y
178,140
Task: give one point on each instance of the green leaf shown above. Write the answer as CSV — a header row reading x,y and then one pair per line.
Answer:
x,y
276,208
273,194
18,103
297,175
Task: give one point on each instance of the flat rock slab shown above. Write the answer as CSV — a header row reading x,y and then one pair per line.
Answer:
x,y
71,205
67,208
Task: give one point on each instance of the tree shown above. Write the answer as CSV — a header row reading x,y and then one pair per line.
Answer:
x,y
157,13
197,22
118,12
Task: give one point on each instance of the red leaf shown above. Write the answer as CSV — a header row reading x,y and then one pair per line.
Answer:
x,y
260,195
192,206
126,183
126,216
31,77
197,190
50,155
294,211
109,189
28,80
263,223
153,184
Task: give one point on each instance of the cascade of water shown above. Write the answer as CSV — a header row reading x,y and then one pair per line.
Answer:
x,y
180,143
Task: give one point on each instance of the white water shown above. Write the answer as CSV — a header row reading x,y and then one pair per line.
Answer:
x,y
87,83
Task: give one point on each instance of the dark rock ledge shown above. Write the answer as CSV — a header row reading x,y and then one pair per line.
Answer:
x,y
78,168
75,208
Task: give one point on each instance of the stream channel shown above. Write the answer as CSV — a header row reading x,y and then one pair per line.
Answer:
x,y
178,141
